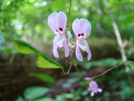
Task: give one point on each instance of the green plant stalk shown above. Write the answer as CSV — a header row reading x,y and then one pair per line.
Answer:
x,y
69,12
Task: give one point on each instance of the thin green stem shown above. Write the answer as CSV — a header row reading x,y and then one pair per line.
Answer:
x,y
108,70
71,62
69,12
80,74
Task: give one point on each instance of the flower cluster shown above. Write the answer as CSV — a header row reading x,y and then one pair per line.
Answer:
x,y
81,27
93,86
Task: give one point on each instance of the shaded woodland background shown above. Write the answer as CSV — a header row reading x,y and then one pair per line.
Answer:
x,y
27,20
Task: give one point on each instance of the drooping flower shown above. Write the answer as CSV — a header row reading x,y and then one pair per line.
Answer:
x,y
81,28
57,23
93,86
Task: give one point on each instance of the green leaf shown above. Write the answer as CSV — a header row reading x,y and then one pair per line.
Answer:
x,y
68,95
72,80
45,62
44,99
131,64
66,85
61,98
42,60
84,93
24,47
43,77
19,99
36,92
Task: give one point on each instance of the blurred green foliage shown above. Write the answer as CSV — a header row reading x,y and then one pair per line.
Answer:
x,y
42,60
27,20
115,87
32,93
43,77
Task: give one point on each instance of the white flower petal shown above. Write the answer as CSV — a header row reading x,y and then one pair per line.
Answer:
x,y
89,55
99,90
93,85
53,21
82,44
62,20
66,48
92,93
81,26
85,27
55,52
76,27
78,54
58,40
57,20
69,35
88,78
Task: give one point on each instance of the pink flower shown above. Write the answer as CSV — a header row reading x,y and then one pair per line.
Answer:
x,y
57,23
81,28
94,88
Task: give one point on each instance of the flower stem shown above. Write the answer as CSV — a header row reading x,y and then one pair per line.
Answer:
x,y
108,70
71,64
66,73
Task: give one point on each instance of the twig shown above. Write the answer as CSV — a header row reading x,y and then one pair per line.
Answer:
x,y
108,70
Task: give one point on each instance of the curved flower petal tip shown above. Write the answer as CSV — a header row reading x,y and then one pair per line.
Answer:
x,y
89,55
92,94
53,21
55,52
99,90
78,54
88,78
